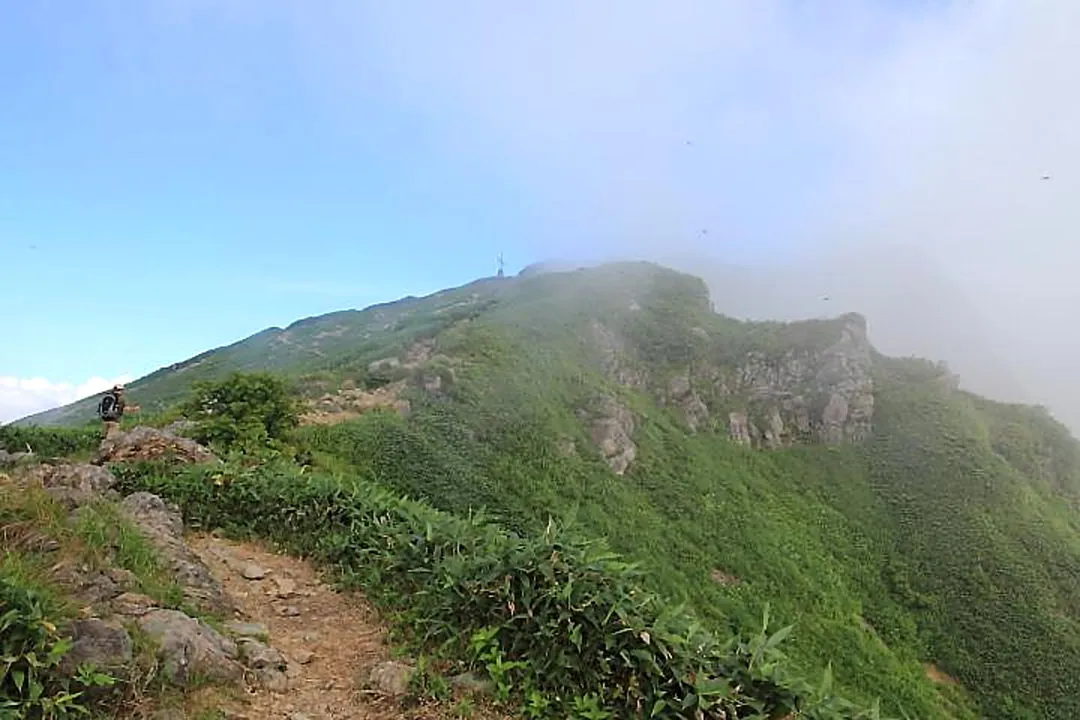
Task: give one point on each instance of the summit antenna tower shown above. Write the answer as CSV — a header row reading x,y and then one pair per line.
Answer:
x,y
500,261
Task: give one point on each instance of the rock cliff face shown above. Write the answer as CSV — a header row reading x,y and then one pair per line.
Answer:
x,y
611,426
817,393
824,396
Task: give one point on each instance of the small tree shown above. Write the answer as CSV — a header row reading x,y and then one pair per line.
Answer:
x,y
249,412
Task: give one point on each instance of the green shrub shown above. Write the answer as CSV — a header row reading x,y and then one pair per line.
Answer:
x,y
551,616
245,412
31,649
50,442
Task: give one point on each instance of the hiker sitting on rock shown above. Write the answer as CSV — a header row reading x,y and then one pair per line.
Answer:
x,y
111,409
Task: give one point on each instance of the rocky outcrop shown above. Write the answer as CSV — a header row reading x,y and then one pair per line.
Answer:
x,y
73,484
132,604
95,589
614,356
189,648
691,408
113,606
161,523
811,392
611,426
418,353
824,396
105,644
349,403
565,447
739,429
146,443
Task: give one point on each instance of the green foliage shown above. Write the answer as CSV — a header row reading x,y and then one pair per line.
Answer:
x,y
990,546
49,442
951,538
551,613
690,505
111,540
246,412
99,535
31,650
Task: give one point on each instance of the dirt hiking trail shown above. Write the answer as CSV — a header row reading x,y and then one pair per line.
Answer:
x,y
331,640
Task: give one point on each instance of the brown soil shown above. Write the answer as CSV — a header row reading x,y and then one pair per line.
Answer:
x,y
937,676
339,631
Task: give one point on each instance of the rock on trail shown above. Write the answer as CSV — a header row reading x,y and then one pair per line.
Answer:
x,y
329,646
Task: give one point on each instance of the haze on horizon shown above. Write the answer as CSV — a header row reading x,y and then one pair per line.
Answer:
x,y
911,161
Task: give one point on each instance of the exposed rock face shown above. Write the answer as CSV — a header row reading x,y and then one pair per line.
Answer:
x,y
771,433
349,403
104,643
693,410
825,396
390,363
132,604
92,588
146,443
612,429
614,356
772,400
73,484
739,428
189,648
419,353
161,523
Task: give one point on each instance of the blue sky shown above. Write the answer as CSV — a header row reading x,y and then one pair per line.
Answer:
x,y
179,174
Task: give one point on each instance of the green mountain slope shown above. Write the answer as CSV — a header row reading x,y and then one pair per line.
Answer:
x,y
925,541
308,344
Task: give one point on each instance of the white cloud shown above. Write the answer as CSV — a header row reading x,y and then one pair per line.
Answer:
x,y
20,397
855,123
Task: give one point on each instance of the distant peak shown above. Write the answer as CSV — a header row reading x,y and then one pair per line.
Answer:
x,y
547,266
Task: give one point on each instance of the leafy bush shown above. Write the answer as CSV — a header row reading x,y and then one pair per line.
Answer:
x,y
31,649
559,619
246,412
50,442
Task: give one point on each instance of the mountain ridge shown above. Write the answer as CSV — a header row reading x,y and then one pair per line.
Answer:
x,y
911,530
258,349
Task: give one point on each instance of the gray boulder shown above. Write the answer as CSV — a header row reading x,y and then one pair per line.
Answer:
x,y
73,484
268,665
102,643
146,443
189,648
391,678
162,524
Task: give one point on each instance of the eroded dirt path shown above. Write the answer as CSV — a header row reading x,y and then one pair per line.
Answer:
x,y
331,640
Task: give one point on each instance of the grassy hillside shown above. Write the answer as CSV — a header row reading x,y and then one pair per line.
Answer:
x,y
306,345
934,563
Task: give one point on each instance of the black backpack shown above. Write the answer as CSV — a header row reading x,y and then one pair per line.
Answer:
x,y
107,408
